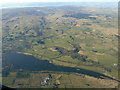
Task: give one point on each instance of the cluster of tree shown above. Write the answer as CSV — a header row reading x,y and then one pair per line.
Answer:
x,y
73,53
80,16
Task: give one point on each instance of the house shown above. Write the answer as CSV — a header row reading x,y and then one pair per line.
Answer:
x,y
115,64
45,81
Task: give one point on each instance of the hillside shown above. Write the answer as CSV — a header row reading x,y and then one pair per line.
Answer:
x,y
72,36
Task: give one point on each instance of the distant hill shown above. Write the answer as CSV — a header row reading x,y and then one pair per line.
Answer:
x,y
42,4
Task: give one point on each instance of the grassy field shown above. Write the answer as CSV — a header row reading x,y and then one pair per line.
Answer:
x,y
77,37
61,80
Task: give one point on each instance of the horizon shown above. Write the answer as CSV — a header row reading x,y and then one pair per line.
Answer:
x,y
37,4
53,1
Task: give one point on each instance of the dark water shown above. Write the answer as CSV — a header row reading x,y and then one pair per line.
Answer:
x,y
30,63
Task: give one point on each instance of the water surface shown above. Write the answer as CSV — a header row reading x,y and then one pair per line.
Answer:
x,y
30,63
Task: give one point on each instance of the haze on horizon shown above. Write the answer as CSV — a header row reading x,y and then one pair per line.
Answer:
x,y
11,1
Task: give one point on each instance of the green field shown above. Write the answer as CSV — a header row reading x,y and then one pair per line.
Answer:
x,y
75,37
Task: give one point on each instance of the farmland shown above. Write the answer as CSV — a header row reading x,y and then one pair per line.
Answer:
x,y
70,36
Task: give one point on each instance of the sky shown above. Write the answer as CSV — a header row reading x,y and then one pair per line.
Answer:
x,y
6,1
